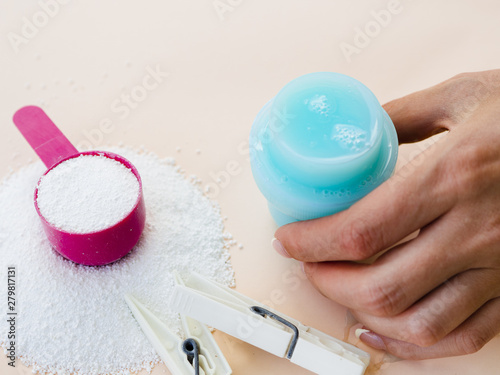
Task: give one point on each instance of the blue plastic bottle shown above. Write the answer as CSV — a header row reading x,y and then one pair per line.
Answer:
x,y
320,145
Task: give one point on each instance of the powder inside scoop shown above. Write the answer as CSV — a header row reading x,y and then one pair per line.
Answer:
x,y
88,193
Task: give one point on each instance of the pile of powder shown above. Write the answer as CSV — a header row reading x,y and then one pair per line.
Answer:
x,y
87,194
73,318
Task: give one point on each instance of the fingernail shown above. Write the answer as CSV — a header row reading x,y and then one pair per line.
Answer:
x,y
360,331
370,338
278,246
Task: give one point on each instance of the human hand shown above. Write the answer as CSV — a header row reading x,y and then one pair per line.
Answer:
x,y
437,295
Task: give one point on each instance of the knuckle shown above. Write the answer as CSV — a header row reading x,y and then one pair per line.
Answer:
x,y
382,300
464,93
468,172
471,341
357,240
422,333
462,76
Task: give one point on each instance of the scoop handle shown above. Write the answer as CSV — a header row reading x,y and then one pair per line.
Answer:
x,y
43,135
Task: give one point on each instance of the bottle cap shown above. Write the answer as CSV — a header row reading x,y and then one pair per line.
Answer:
x,y
322,143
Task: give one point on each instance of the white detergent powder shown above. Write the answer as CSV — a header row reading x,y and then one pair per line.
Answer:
x,y
88,193
73,318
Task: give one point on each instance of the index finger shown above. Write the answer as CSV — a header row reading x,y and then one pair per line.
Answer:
x,y
419,115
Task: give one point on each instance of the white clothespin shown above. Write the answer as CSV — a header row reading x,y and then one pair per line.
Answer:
x,y
199,354
244,318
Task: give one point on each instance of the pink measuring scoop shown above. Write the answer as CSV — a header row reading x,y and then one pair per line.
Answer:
x,y
95,248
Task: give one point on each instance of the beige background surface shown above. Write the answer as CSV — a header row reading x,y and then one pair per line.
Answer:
x,y
222,68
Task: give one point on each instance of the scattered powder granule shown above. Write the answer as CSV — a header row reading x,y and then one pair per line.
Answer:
x,y
73,318
88,193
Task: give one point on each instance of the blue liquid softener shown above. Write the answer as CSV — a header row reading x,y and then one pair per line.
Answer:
x,y
320,145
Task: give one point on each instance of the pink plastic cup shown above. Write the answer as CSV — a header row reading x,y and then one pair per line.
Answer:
x,y
94,248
